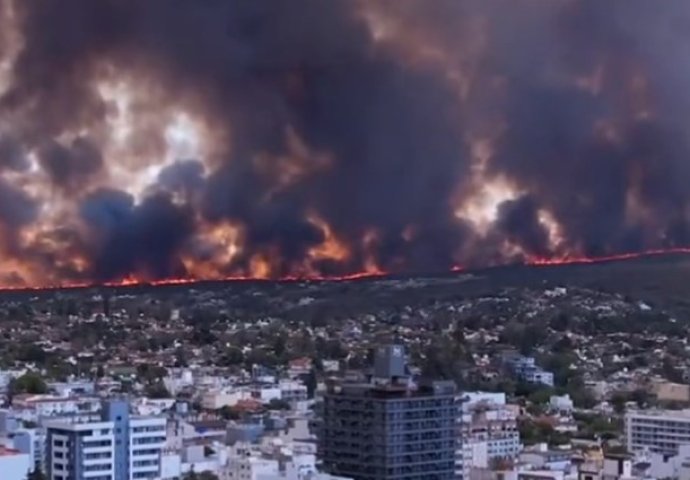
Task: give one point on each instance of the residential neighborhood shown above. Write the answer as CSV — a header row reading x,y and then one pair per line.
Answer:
x,y
230,381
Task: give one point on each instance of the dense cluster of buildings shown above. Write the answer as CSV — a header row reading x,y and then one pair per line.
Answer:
x,y
271,381
383,423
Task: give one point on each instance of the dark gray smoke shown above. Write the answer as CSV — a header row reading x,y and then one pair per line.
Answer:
x,y
363,114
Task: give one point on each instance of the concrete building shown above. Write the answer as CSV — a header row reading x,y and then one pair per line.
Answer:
x,y
33,407
292,391
561,403
118,447
488,430
541,457
273,460
299,366
73,388
672,392
526,369
245,466
388,428
614,467
214,399
658,431
14,465
267,393
32,442
8,421
663,466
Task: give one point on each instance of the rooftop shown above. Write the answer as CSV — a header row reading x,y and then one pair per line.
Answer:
x,y
685,413
6,452
393,390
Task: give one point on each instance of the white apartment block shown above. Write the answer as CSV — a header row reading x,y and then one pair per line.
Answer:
x,y
488,432
214,399
80,451
119,447
658,431
146,441
33,407
246,465
489,419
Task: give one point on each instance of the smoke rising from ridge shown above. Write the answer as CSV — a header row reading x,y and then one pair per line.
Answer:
x,y
181,139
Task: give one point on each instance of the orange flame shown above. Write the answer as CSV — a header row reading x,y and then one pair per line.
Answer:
x,y
261,268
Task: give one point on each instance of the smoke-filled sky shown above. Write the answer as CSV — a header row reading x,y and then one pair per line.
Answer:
x,y
214,138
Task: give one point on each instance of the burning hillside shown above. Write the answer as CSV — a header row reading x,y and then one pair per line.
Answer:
x,y
173,140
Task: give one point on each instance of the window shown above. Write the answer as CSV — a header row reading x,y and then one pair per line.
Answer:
x,y
95,456
138,475
97,443
146,451
95,468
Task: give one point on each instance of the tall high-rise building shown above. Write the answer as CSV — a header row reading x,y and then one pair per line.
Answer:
x,y
388,428
119,447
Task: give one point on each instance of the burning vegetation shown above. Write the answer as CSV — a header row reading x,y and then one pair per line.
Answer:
x,y
171,141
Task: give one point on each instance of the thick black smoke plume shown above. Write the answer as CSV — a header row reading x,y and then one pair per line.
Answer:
x,y
178,138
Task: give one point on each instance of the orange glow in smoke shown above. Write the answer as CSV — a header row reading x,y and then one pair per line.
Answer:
x,y
332,247
261,269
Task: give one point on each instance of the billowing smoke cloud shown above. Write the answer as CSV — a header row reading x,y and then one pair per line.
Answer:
x,y
166,139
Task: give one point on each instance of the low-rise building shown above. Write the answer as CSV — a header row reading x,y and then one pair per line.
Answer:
x,y
489,431
32,407
526,369
292,391
215,399
299,366
561,403
14,465
672,392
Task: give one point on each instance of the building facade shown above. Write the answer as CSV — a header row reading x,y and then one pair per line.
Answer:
x,y
526,369
657,431
14,465
494,423
388,428
119,447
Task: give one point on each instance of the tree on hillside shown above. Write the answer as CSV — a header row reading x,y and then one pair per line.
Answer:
x,y
30,382
157,390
